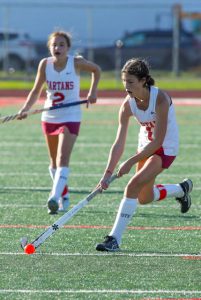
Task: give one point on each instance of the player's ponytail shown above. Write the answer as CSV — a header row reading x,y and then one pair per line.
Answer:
x,y
149,80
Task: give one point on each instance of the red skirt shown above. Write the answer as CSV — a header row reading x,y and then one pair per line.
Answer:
x,y
57,128
167,160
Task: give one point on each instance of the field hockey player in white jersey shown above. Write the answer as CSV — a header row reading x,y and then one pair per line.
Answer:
x,y
61,73
157,149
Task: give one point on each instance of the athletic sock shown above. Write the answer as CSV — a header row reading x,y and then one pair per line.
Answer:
x,y
52,172
65,192
126,210
162,191
60,181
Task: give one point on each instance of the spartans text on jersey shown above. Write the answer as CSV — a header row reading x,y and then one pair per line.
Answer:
x,y
60,85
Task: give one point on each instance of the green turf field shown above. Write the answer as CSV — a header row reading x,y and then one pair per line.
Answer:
x,y
160,251
110,81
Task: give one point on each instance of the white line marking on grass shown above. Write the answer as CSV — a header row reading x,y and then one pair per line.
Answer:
x,y
79,145
98,291
106,205
107,254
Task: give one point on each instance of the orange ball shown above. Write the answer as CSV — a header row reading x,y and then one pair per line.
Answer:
x,y
29,249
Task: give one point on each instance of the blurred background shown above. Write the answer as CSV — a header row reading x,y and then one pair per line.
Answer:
x,y
167,33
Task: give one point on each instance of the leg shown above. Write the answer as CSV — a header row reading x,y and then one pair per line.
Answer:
x,y
66,142
140,188
52,144
141,184
145,176
65,147
151,192
180,191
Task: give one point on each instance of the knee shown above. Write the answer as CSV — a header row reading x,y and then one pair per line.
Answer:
x,y
132,189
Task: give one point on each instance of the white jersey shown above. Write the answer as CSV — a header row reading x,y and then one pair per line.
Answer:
x,y
62,88
147,120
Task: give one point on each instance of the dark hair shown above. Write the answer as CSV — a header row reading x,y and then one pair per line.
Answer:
x,y
139,68
65,35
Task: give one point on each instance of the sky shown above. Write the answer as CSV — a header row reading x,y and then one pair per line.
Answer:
x,y
91,22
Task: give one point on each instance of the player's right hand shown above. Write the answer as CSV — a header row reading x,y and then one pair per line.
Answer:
x,y
22,115
104,181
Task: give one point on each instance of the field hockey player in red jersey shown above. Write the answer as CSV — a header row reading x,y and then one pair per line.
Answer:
x,y
61,73
157,149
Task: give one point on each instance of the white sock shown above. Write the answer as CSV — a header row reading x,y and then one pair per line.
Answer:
x,y
126,210
60,181
52,172
162,191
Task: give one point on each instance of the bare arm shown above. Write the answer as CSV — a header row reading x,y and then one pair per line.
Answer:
x,y
36,90
82,64
159,135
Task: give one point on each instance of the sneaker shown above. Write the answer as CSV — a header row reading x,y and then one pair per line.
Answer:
x,y
52,206
110,244
185,201
64,204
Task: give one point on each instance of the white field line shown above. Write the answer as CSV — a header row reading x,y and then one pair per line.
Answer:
x,y
148,206
157,255
99,291
80,145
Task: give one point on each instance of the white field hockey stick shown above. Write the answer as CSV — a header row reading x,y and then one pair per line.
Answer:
x,y
62,220
37,111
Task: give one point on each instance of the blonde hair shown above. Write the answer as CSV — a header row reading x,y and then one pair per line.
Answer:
x,y
65,35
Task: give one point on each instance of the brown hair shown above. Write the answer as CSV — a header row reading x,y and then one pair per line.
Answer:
x,y
65,35
139,68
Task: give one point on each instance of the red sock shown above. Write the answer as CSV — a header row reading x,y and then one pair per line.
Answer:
x,y
65,191
162,191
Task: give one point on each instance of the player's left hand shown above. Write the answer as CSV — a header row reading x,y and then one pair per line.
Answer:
x,y
124,168
92,98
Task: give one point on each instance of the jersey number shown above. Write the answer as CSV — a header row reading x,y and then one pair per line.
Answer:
x,y
149,131
58,98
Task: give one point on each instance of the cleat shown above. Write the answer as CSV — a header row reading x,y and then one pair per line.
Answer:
x,y
64,204
185,201
52,206
110,244
51,212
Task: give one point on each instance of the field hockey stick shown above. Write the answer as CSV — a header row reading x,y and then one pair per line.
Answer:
x,y
37,111
62,220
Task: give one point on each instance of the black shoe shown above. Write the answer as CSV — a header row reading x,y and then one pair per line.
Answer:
x,y
185,201
53,206
110,244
